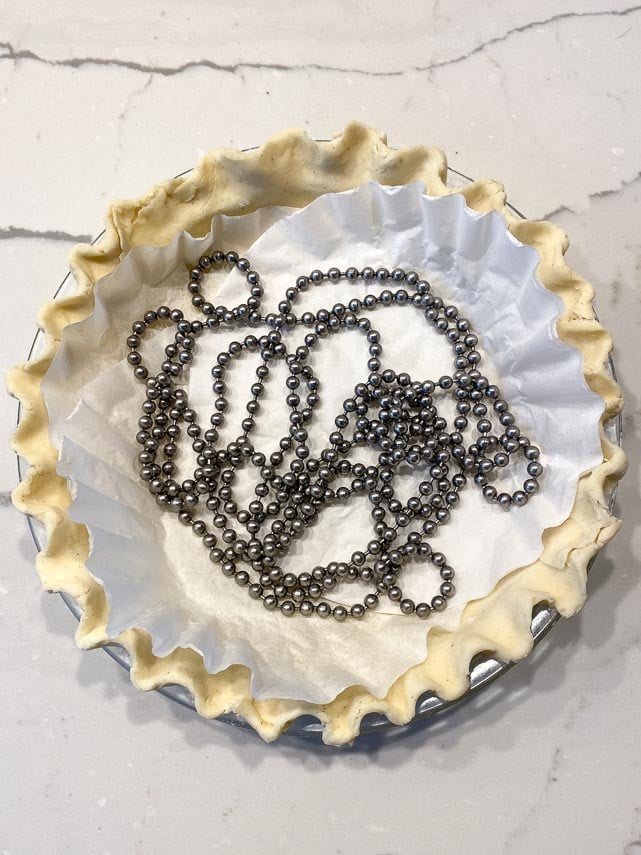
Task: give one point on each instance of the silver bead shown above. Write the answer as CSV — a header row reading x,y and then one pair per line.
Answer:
x,y
447,590
447,573
287,608
423,610
339,613
323,610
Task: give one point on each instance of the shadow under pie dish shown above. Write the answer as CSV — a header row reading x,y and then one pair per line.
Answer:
x,y
360,204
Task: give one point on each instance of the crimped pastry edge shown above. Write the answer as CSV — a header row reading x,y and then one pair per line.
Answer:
x,y
292,169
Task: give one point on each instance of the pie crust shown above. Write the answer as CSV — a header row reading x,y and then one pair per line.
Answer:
x,y
292,169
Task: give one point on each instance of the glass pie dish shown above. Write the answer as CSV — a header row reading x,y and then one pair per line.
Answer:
x,y
483,668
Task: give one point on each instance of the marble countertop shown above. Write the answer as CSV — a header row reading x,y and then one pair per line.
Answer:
x,y
99,101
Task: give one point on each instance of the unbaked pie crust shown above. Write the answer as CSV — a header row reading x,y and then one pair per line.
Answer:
x,y
291,169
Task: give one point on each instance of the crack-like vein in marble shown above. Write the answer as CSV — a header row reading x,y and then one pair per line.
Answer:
x,y
13,232
600,194
624,33
123,115
5,498
10,52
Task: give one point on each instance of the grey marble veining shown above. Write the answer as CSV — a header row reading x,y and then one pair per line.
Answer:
x,y
12,232
98,102
438,83
9,51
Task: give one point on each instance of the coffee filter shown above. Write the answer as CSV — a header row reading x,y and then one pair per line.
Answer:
x,y
157,575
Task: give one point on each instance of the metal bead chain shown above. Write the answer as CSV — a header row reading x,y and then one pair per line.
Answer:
x,y
392,412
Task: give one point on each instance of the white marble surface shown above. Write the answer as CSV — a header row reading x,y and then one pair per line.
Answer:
x,y
100,100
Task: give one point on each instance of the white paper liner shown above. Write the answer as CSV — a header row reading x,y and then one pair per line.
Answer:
x,y
157,575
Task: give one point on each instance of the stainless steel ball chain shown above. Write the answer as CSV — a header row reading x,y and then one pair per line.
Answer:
x,y
392,412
